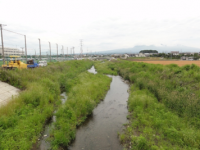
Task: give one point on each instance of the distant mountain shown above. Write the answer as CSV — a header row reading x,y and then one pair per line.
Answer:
x,y
160,49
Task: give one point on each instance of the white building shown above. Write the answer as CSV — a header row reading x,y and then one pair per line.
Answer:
x,y
11,51
141,55
175,53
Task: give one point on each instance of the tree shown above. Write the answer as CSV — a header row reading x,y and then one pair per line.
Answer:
x,y
148,51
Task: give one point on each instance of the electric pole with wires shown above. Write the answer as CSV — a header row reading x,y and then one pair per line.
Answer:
x,y
2,42
81,47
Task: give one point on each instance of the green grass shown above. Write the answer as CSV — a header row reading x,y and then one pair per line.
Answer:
x,y
23,119
105,68
152,126
84,93
175,91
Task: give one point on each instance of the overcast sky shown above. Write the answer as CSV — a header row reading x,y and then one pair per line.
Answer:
x,y
102,24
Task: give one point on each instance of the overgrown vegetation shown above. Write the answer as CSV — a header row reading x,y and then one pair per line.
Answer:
x,y
105,68
152,126
167,111
23,119
84,93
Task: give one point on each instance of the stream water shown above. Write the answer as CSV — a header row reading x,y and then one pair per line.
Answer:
x,y
99,131
92,70
44,143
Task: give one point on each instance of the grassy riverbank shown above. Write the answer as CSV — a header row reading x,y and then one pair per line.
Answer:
x,y
23,119
84,93
170,113
152,126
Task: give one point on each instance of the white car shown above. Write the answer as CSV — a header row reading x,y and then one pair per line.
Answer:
x,y
42,63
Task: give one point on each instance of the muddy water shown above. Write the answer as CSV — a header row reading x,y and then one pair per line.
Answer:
x,y
99,132
44,143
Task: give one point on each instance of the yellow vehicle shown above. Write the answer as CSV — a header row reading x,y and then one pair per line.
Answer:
x,y
14,63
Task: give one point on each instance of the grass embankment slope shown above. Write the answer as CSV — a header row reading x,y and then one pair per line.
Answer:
x,y
164,105
84,93
23,119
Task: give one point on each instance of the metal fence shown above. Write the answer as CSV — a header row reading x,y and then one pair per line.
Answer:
x,y
33,48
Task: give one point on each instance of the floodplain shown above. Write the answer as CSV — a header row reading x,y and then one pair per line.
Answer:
x,y
160,110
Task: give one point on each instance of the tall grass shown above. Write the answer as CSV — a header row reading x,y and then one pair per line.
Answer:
x,y
176,88
84,93
23,119
152,126
105,67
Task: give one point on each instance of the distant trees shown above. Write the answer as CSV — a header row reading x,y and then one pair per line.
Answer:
x,y
148,51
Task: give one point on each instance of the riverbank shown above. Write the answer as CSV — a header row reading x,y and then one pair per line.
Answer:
x,y
164,106
22,120
84,93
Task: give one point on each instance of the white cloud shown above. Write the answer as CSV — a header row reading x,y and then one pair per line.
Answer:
x,y
103,25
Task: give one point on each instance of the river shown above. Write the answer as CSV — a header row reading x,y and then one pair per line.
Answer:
x,y
100,130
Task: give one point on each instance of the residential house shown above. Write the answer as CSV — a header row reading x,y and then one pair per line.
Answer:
x,y
141,55
175,53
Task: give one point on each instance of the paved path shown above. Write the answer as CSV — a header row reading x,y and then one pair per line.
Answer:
x,y
7,92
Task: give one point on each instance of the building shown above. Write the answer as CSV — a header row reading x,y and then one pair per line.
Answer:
x,y
11,51
187,53
184,58
141,55
175,53
116,55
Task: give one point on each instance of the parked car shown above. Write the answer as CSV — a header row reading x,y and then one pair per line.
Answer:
x,y
32,64
42,63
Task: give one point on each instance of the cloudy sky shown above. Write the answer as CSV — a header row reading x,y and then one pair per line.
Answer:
x,y
102,24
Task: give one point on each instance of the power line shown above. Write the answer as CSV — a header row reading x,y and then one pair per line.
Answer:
x,y
13,32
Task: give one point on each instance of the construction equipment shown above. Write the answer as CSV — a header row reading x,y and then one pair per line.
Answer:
x,y
14,63
31,64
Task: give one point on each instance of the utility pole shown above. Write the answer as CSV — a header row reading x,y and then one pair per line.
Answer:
x,y
2,43
25,47
67,51
57,52
35,54
50,50
40,48
81,48
64,52
73,50
22,50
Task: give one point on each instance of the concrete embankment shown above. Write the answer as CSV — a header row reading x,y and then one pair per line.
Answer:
x,y
7,92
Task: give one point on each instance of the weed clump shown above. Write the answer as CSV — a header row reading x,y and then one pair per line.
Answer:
x,y
83,97
166,112
22,120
